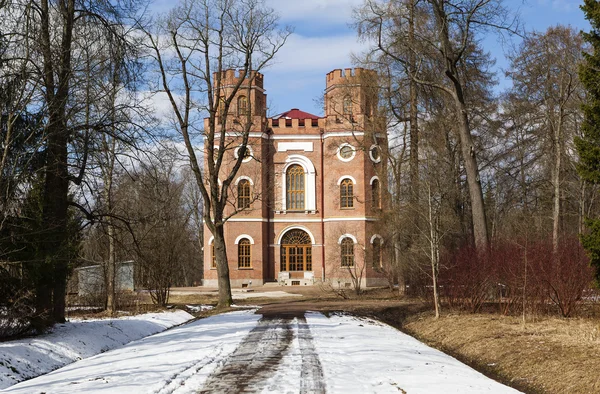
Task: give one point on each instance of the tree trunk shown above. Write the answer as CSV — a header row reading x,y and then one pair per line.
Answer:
x,y
480,231
111,272
414,127
225,299
557,139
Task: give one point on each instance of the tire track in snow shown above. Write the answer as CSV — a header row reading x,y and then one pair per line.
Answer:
x,y
178,378
311,377
259,354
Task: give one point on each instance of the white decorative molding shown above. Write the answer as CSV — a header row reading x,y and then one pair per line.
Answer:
x,y
240,237
372,179
250,153
352,237
326,220
344,134
244,177
373,159
285,230
310,183
339,156
286,146
339,182
376,236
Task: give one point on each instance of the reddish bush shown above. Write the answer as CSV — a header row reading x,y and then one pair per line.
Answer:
x,y
517,275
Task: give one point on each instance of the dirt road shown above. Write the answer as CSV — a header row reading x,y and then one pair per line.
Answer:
x,y
258,356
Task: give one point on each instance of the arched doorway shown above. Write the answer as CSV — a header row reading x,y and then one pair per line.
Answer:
x,y
296,251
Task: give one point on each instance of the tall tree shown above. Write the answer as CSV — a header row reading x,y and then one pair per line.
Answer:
x,y
545,81
192,49
50,38
588,146
444,39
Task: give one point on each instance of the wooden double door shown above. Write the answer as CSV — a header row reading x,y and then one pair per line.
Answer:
x,y
296,251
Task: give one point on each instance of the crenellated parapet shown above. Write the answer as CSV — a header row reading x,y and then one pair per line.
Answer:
x,y
347,76
231,77
296,126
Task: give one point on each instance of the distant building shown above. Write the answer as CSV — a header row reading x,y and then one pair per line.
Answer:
x,y
310,190
91,280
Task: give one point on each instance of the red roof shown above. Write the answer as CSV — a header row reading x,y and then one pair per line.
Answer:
x,y
295,113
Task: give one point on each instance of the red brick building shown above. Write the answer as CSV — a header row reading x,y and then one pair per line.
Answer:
x,y
309,192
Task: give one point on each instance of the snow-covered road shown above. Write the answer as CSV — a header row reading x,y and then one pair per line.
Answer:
x,y
240,351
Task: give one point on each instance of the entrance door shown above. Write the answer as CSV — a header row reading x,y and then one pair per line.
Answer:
x,y
296,251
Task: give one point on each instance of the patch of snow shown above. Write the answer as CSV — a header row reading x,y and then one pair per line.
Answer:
x,y
200,308
177,361
77,339
364,356
345,353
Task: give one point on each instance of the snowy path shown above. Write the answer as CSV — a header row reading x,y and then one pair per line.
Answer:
x,y
242,352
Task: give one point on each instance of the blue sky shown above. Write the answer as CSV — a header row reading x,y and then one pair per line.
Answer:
x,y
323,41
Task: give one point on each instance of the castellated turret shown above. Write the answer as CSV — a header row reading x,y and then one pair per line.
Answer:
x,y
350,97
250,99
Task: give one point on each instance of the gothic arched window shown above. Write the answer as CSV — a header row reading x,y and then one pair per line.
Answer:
x,y
295,188
244,253
346,193
347,252
242,105
347,105
377,262
375,194
244,194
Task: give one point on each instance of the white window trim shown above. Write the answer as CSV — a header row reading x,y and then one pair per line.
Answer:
x,y
376,236
247,159
285,230
240,237
340,148
339,182
373,179
352,237
310,182
244,177
371,154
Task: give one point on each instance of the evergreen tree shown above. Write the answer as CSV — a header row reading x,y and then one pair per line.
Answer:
x,y
588,146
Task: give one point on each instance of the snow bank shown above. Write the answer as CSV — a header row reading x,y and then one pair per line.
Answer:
x,y
176,361
77,339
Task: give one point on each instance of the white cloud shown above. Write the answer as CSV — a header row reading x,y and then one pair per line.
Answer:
x,y
332,11
317,53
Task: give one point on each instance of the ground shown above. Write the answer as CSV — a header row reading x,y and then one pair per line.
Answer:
x,y
278,351
544,355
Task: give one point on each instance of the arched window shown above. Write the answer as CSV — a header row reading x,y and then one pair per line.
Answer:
x,y
295,188
347,109
346,193
242,105
375,194
347,252
377,262
221,110
244,194
244,255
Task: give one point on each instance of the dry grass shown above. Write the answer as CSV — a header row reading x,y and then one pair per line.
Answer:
x,y
546,356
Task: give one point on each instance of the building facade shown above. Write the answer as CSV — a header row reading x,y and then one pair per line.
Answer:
x,y
306,201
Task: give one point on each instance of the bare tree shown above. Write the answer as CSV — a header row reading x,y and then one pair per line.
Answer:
x,y
440,44
192,48
544,75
